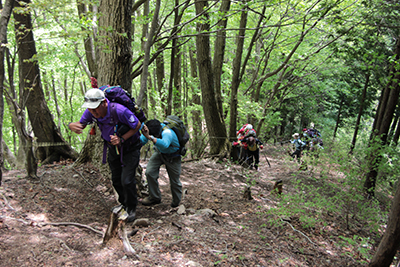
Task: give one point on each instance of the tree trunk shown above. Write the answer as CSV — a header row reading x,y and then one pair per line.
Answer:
x,y
219,52
160,73
174,83
146,60
114,65
32,93
215,126
396,134
360,112
8,155
390,242
235,74
4,19
338,118
115,51
89,40
196,142
382,124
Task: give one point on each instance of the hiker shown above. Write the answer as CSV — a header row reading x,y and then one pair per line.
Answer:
x,y
243,131
236,145
298,144
252,146
122,141
166,146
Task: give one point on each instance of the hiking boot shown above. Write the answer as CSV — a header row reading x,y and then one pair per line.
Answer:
x,y
117,208
131,214
147,201
173,205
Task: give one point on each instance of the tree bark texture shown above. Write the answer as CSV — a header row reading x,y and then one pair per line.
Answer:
x,y
215,126
235,75
115,36
32,93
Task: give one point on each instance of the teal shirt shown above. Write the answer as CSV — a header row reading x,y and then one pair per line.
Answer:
x,y
298,143
167,144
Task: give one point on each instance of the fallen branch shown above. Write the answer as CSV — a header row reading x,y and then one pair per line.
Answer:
x,y
74,224
54,224
6,201
15,219
144,234
299,232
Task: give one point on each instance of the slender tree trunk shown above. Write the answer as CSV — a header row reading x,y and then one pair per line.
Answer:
x,y
160,73
219,52
215,126
4,19
396,134
339,114
17,114
175,62
147,46
393,127
8,155
196,141
89,40
235,74
32,93
360,112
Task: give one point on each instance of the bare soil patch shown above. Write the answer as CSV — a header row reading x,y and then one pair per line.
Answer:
x,y
58,220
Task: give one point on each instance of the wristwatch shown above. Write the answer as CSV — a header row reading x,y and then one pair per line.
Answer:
x,y
152,138
122,140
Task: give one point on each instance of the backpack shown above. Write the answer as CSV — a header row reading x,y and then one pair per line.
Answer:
x,y
119,95
174,123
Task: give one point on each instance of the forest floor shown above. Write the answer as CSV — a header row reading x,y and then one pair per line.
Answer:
x,y
59,220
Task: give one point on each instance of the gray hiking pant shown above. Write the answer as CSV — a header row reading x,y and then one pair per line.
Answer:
x,y
173,166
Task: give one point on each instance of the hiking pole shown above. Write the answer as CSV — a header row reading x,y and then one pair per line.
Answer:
x,y
267,159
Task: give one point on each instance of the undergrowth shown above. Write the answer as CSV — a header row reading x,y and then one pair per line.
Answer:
x,y
330,194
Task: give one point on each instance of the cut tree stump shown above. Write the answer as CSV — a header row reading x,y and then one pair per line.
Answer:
x,y
117,230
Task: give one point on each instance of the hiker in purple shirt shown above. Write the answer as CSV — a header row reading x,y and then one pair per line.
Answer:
x,y
120,131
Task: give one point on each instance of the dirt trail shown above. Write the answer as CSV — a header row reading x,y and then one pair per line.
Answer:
x,y
218,227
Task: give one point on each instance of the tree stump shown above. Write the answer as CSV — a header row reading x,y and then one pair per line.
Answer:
x,y
117,230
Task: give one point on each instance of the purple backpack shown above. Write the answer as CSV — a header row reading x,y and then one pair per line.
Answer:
x,y
119,95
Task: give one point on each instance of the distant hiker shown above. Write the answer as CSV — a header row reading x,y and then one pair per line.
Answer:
x,y
252,146
236,145
121,137
243,131
166,146
298,145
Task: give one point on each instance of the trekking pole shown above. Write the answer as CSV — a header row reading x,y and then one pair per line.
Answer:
x,y
267,160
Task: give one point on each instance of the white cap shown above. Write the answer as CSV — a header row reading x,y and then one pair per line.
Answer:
x,y
93,98
249,127
296,135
